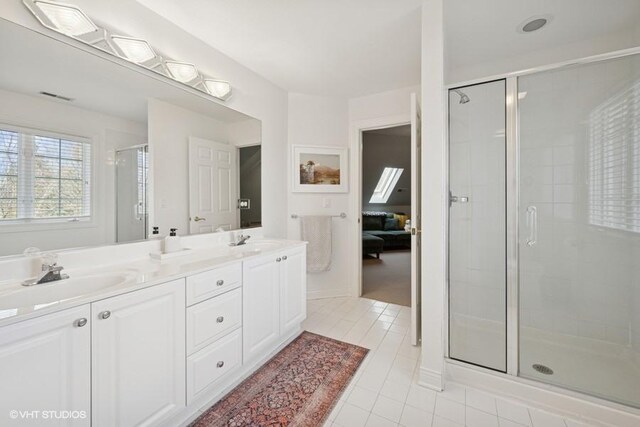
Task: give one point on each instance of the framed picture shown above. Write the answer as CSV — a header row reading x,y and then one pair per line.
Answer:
x,y
319,169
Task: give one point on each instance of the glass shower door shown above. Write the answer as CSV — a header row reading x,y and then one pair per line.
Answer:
x,y
477,225
131,194
579,228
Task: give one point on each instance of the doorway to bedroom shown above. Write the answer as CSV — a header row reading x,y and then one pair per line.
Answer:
x,y
386,214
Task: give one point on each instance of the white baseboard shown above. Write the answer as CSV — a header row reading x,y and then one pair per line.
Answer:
x,y
430,379
543,396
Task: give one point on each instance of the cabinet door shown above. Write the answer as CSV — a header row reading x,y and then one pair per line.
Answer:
x,y
45,365
261,308
293,289
138,356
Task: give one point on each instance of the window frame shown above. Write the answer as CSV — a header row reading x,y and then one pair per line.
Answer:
x,y
44,224
389,184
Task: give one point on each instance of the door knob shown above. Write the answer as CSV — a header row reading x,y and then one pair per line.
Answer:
x,y
220,364
220,319
284,258
105,315
80,322
278,259
220,282
198,219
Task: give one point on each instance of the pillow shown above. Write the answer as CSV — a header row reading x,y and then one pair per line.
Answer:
x,y
402,219
391,224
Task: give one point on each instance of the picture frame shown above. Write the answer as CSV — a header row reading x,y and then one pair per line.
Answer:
x,y
319,169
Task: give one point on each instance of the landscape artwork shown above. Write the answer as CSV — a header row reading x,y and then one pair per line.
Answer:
x,y
319,169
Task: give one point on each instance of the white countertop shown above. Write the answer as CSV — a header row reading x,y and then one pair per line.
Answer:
x,y
18,303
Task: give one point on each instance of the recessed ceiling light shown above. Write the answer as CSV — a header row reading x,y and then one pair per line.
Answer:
x,y
135,50
181,71
66,19
534,23
218,88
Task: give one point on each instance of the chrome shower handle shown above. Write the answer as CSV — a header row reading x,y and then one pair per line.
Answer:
x,y
532,223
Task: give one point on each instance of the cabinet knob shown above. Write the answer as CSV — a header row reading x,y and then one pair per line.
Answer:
x,y
105,315
284,258
220,282
80,322
220,319
220,364
278,259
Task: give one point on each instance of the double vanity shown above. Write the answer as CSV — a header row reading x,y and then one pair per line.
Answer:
x,y
137,341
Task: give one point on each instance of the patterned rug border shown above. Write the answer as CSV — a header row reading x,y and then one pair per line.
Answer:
x,y
262,371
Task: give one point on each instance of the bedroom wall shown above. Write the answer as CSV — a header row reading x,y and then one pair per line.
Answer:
x,y
380,151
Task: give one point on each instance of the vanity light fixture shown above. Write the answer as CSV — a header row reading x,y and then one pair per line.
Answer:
x,y
64,18
71,21
218,88
182,71
134,50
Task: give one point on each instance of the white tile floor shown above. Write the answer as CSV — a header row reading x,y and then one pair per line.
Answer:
x,y
384,391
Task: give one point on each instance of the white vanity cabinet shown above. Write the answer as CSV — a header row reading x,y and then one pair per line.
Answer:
x,y
138,356
274,300
45,365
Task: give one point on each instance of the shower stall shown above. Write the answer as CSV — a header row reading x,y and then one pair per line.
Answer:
x,y
544,226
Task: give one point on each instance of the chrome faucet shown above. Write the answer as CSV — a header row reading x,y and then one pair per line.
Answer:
x,y
50,271
242,240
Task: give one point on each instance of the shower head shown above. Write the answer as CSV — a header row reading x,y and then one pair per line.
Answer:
x,y
463,96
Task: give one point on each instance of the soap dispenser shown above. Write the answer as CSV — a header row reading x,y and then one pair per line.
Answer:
x,y
155,234
172,242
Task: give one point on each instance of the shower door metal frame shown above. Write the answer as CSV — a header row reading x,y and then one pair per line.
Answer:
x,y
513,206
511,227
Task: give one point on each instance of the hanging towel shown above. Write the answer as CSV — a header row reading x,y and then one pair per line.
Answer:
x,y
317,231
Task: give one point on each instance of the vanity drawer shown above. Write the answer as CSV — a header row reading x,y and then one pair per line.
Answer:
x,y
208,366
211,319
213,282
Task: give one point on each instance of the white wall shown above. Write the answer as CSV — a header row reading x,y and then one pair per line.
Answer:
x,y
107,133
434,195
253,95
321,121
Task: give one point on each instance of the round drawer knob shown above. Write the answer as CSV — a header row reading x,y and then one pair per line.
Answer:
x,y
278,259
220,364
104,315
80,322
284,258
220,319
220,282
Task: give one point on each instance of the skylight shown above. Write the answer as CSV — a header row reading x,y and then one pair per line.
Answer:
x,y
386,184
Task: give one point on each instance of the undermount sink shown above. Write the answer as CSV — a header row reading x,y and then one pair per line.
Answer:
x,y
259,245
62,290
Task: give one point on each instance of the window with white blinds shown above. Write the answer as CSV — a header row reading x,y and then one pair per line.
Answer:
x,y
614,162
43,177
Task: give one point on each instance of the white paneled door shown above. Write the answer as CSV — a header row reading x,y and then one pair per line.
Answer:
x,y
213,192
416,232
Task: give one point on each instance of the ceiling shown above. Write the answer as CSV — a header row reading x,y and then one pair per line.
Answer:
x,y
480,32
331,47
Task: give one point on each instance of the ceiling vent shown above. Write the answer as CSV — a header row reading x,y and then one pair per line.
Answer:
x,y
55,95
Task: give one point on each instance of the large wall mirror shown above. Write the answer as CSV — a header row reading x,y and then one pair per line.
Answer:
x,y
93,152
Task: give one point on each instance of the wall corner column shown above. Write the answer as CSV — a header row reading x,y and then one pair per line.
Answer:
x,y
434,196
